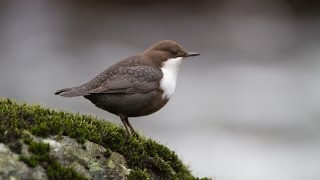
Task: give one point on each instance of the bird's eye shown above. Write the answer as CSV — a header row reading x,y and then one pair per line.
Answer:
x,y
174,51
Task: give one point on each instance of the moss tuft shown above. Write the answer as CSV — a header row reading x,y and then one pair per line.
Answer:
x,y
40,149
32,161
40,153
56,171
16,147
143,156
107,153
138,175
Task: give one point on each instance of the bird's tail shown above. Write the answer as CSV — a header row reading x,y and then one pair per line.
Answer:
x,y
69,92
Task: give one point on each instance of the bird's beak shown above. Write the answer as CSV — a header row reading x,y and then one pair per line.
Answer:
x,y
189,54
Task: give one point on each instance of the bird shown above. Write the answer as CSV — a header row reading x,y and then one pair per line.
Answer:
x,y
137,86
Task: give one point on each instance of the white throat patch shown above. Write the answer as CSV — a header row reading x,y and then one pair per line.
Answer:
x,y
170,71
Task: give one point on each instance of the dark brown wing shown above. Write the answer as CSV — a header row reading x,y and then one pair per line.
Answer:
x,y
136,79
128,76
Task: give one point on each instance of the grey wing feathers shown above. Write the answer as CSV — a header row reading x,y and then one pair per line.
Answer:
x,y
136,79
127,76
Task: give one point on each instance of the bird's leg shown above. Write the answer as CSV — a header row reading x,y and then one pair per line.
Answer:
x,y
124,120
131,128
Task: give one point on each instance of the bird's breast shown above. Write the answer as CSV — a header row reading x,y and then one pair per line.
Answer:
x,y
168,82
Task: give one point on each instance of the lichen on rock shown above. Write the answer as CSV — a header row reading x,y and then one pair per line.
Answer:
x,y
12,168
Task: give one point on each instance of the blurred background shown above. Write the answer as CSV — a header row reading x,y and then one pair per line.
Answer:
x,y
247,108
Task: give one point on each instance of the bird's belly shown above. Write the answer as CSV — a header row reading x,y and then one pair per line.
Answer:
x,y
130,105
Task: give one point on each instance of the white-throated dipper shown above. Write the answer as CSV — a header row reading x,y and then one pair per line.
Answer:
x,y
136,86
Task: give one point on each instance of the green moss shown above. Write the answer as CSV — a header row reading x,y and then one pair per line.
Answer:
x,y
16,147
32,161
138,175
56,171
40,153
27,139
40,149
107,153
158,166
9,135
143,156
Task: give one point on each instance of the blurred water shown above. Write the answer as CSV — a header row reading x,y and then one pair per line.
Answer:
x,y
247,108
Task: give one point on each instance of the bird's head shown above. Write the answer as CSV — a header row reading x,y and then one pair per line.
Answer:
x,y
167,50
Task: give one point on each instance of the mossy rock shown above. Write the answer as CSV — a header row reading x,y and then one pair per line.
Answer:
x,y
55,144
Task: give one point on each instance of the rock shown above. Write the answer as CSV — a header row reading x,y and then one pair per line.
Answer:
x,y
12,168
87,159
